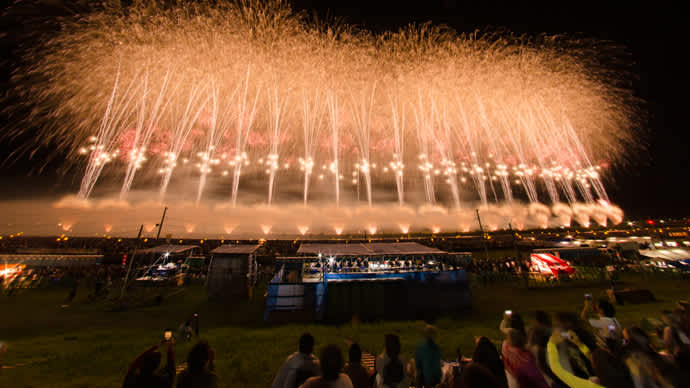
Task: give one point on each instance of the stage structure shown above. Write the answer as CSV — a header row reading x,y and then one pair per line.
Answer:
x,y
336,282
166,262
232,270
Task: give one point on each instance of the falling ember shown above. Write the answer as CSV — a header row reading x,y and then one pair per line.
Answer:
x,y
404,228
338,229
372,229
303,229
435,229
66,227
189,228
108,228
229,228
266,228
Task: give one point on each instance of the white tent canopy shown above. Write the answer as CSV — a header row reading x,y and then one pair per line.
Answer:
x,y
674,254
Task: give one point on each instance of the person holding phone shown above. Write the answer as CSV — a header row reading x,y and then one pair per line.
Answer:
x,y
605,323
520,365
512,320
145,371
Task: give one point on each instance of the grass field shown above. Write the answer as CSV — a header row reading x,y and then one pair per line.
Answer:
x,y
90,345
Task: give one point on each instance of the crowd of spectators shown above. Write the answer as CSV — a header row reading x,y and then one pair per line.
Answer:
x,y
146,371
94,280
564,350
508,264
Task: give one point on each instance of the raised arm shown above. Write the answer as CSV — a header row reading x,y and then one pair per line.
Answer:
x,y
134,365
555,364
585,310
170,362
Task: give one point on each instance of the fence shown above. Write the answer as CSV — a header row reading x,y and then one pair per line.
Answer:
x,y
583,276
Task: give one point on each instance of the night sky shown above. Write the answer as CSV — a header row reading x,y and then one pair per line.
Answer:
x,y
654,184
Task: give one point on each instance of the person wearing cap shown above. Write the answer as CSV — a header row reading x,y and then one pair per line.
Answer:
x,y
428,359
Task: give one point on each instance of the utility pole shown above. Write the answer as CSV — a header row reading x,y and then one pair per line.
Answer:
x,y
160,226
129,267
481,229
512,236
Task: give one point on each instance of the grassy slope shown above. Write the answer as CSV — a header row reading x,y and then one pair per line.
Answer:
x,y
88,345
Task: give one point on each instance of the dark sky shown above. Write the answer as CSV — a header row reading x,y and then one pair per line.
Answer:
x,y
656,181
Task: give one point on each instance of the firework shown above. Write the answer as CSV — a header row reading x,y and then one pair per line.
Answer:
x,y
244,98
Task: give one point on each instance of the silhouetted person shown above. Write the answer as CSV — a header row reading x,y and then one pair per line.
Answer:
x,y
299,366
200,369
428,360
331,365
144,371
476,375
610,371
354,369
485,353
390,367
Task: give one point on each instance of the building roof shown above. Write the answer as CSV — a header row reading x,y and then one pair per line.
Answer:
x,y
368,249
402,248
236,249
49,260
334,249
173,249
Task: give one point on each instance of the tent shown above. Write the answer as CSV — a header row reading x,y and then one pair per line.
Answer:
x,y
674,254
678,258
548,264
